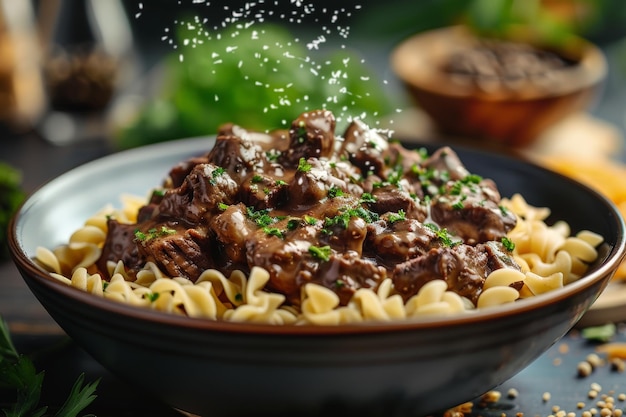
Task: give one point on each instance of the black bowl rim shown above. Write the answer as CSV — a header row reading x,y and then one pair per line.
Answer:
x,y
30,271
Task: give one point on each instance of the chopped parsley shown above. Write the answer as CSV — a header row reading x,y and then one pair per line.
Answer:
x,y
272,155
303,165
322,253
153,296
396,217
216,173
442,235
508,244
153,233
273,231
222,206
280,183
459,204
343,218
256,178
335,192
260,217
292,224
367,198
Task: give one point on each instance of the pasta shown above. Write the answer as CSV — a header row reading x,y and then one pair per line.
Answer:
x,y
549,256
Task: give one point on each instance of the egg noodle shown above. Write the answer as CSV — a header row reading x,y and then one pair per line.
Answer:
x,y
549,255
604,175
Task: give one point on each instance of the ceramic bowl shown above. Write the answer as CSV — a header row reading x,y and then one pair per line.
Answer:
x,y
514,117
213,368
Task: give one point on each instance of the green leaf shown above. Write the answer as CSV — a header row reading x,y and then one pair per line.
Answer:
x,y
18,372
80,397
7,349
599,333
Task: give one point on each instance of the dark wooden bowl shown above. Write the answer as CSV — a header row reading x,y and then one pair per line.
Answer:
x,y
510,117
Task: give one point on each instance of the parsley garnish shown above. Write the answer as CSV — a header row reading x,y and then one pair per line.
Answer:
x,y
292,224
396,217
272,155
256,178
273,231
18,372
321,253
459,204
303,165
310,219
343,218
508,244
153,233
260,217
153,296
367,198
222,206
335,192
216,173
442,235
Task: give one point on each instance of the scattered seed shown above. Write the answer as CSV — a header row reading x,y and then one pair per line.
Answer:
x,y
584,369
594,360
491,396
618,364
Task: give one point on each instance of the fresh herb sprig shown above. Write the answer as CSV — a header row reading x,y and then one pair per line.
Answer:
x,y
18,372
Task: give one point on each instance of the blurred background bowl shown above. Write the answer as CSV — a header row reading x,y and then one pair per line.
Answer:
x,y
219,368
493,112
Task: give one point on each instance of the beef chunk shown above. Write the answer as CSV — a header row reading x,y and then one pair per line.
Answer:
x,y
232,228
237,156
471,211
446,160
201,192
393,242
179,252
263,191
312,135
285,258
364,147
391,198
345,237
463,267
180,171
120,246
344,273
